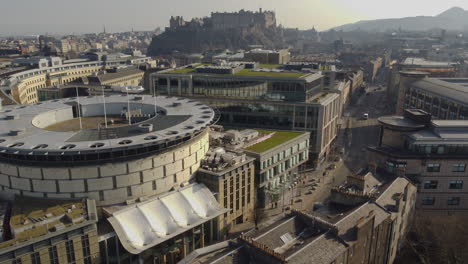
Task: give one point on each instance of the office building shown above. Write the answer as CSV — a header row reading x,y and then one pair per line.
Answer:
x,y
433,153
434,69
262,97
268,56
278,157
129,147
50,231
117,77
230,176
21,87
443,98
161,229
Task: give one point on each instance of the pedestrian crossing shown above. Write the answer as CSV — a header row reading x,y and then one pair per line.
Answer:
x,y
356,123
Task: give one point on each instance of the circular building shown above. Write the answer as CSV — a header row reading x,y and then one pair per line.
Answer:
x,y
120,150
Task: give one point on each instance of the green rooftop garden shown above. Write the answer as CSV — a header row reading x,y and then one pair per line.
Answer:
x,y
182,70
249,72
269,66
277,139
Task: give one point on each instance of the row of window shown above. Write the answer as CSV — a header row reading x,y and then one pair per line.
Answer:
x,y
70,250
450,201
435,167
456,184
284,154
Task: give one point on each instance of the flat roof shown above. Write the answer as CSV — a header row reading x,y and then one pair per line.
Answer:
x,y
278,138
427,63
443,88
270,70
34,218
400,122
119,74
22,128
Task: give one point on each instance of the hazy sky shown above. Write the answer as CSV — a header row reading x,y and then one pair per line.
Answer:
x,y
81,16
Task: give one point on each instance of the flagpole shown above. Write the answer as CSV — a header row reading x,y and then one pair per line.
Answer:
x,y
128,108
105,111
79,108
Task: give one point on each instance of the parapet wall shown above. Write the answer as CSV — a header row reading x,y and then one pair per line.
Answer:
x,y
110,183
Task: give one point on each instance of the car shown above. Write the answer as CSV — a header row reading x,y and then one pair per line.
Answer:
x,y
337,159
331,167
365,116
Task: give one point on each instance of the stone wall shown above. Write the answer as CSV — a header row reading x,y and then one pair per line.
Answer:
x,y
109,183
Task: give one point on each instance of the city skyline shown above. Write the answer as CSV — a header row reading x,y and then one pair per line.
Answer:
x,y
88,17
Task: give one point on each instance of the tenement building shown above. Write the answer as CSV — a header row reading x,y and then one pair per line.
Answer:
x,y
433,153
49,231
263,96
369,228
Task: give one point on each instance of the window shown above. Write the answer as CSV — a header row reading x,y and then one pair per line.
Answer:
x,y
433,167
430,185
35,258
458,167
70,251
428,201
86,249
453,201
53,255
456,184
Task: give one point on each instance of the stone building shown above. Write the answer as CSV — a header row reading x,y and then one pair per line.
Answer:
x,y
231,176
433,153
268,56
82,153
368,231
278,158
243,19
117,77
50,231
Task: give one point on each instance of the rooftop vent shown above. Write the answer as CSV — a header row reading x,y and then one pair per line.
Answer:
x,y
40,146
125,142
146,128
15,132
68,146
12,117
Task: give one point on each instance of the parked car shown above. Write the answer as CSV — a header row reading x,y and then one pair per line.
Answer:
x,y
331,167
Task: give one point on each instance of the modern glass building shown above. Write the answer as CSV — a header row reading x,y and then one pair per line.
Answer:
x,y
261,98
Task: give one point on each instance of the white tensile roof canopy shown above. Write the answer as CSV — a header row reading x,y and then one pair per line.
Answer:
x,y
149,223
